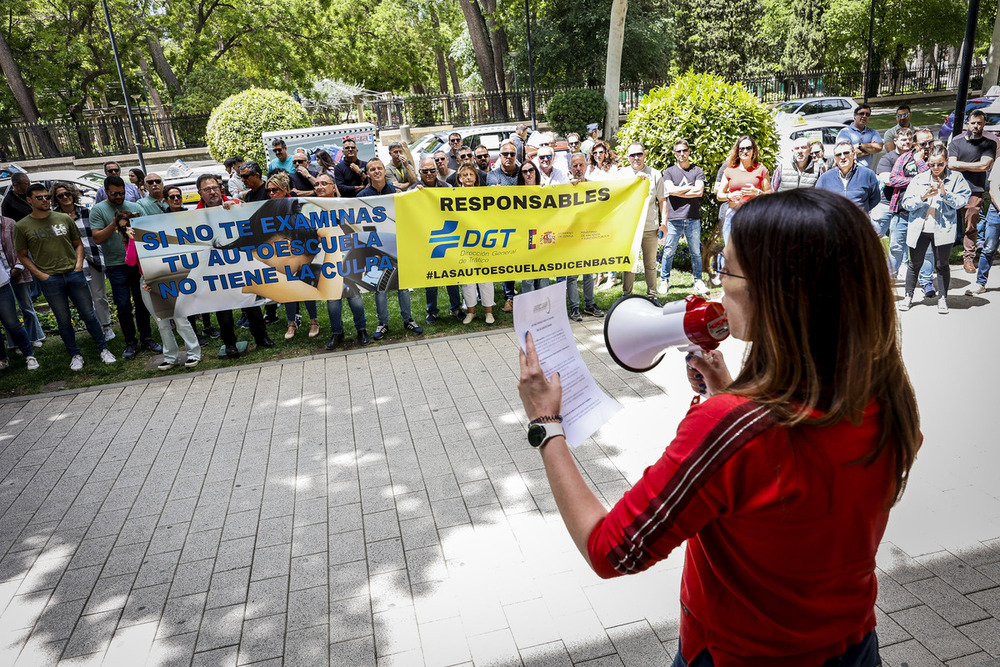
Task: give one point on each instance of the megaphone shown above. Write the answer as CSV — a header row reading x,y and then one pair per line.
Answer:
x,y
637,332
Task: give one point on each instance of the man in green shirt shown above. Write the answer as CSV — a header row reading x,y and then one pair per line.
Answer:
x,y
48,245
124,279
153,203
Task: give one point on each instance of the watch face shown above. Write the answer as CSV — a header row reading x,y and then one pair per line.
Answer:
x,y
536,435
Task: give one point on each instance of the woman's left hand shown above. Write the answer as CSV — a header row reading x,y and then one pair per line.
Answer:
x,y
541,397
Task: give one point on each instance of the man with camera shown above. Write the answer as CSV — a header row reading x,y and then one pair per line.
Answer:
x,y
48,245
125,280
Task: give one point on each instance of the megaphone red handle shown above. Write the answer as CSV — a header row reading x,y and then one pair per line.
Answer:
x,y
705,322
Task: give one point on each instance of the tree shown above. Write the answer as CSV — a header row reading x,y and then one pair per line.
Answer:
x,y
806,44
711,114
612,77
721,37
25,101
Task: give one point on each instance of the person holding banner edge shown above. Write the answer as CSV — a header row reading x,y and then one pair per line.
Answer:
x,y
787,473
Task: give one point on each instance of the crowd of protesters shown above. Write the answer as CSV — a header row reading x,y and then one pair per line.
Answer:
x,y
925,195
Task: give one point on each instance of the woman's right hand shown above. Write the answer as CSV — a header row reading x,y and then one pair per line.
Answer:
x,y
708,374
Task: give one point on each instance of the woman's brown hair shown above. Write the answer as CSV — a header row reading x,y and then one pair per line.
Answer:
x,y
822,326
610,159
734,154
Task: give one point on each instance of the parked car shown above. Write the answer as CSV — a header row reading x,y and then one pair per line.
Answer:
x,y
835,109
86,181
488,135
825,132
992,118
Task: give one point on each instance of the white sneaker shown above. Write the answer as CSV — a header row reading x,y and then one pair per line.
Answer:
x,y
906,303
76,363
943,305
32,363
4,364
107,357
700,287
716,279
663,288
37,343
109,333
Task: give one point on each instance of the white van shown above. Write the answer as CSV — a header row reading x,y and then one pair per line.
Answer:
x,y
329,138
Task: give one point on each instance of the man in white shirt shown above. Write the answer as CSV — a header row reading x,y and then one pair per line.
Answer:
x,y
650,219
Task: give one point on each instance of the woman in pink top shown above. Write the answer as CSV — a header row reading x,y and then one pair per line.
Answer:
x,y
744,178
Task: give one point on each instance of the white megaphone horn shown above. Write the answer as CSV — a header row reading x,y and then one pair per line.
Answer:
x,y
637,332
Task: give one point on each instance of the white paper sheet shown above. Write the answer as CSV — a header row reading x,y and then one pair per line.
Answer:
x,y
585,406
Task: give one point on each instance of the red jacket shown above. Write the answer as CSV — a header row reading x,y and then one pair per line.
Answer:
x,y
781,527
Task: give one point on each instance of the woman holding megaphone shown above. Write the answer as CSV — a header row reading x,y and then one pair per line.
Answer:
x,y
782,480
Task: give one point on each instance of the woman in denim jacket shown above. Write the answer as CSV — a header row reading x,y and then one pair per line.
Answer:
x,y
933,199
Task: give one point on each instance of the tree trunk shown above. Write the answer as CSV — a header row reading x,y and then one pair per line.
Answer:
x,y
161,122
454,76
612,76
484,54
162,66
12,72
991,76
439,54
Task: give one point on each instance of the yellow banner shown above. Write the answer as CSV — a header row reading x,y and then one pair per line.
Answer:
x,y
459,235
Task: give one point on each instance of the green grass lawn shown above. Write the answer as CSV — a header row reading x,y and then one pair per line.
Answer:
x,y
883,118
54,373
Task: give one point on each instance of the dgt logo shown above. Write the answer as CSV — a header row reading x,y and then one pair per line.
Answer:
x,y
444,239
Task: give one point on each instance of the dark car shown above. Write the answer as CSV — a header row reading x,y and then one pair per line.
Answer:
x,y
971,105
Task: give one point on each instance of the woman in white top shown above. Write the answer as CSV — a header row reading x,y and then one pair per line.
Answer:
x,y
933,199
603,163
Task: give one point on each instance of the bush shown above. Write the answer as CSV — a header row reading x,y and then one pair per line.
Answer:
x,y
711,114
236,125
572,110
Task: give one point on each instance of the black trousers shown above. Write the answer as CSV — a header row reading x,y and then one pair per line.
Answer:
x,y
941,255
228,327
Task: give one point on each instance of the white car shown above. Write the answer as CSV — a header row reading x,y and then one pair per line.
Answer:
x,y
823,131
87,182
834,109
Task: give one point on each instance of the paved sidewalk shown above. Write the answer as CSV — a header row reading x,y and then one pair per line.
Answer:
x,y
384,508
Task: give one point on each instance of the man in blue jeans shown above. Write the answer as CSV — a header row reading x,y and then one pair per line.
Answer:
x,y
48,245
992,238
684,184
124,279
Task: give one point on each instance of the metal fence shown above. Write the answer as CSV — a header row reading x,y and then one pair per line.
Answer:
x,y
480,108
886,82
110,133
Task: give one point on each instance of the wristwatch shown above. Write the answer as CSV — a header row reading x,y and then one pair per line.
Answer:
x,y
539,434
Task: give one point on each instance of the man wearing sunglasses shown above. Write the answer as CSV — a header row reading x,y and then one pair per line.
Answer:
x,y
302,176
505,173
125,281
429,179
483,162
684,186
282,159
455,146
251,176
48,245
854,181
441,162
153,203
132,193
902,122
350,173
465,156
650,220
548,173
866,141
